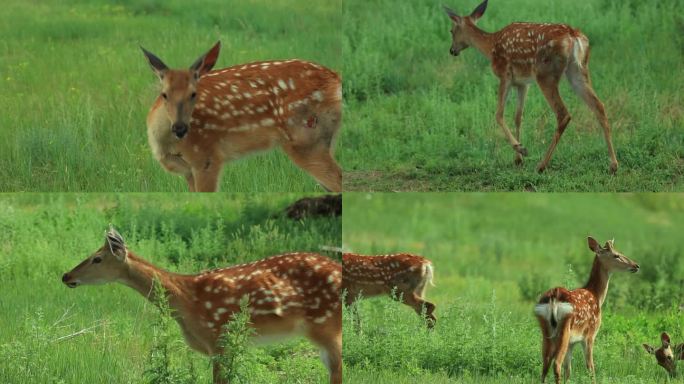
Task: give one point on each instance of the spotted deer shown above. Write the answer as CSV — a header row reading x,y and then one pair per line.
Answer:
x,y
521,53
406,274
290,294
668,354
203,118
569,317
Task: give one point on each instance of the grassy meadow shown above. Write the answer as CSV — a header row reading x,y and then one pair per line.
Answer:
x,y
419,119
76,88
493,255
43,236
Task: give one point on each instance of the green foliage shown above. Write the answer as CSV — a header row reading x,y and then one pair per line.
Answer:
x,y
234,343
430,116
76,88
105,334
493,255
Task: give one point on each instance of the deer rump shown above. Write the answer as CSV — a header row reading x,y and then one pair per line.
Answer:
x,y
553,307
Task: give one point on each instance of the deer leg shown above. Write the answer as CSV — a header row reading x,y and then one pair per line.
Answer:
x,y
547,357
522,94
218,377
581,83
191,181
549,87
319,163
331,351
504,87
561,351
351,303
416,302
588,346
207,175
567,364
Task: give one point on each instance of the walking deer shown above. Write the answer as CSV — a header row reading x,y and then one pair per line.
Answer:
x,y
370,276
668,354
570,317
203,118
521,53
290,294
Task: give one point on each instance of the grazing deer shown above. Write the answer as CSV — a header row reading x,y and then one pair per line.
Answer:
x,y
668,354
524,52
371,276
570,317
203,118
290,294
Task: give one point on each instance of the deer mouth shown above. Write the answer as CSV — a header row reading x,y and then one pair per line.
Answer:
x,y
634,269
72,284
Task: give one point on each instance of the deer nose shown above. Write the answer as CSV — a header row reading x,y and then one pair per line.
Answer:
x,y
179,129
65,278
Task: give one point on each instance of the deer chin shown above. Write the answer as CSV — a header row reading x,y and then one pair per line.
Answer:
x,y
73,284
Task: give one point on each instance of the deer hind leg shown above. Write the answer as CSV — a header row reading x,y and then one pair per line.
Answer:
x,y
416,302
567,364
504,87
580,81
331,349
588,346
549,87
351,302
522,94
561,350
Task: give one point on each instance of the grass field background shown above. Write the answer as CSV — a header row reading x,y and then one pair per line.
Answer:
x,y
76,88
44,236
419,119
493,255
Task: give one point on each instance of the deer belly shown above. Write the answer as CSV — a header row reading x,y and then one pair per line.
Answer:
x,y
238,144
278,330
576,338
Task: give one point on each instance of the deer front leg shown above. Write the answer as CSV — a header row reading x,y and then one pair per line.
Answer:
x,y
218,377
504,87
589,357
206,176
522,94
549,87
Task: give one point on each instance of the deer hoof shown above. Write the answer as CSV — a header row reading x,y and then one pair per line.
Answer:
x,y
518,160
520,149
541,168
613,168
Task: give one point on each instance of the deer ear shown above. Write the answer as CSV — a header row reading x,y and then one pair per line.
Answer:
x,y
207,61
665,339
593,244
649,349
452,15
156,64
116,244
479,11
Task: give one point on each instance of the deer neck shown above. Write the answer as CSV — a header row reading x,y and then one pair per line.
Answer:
x,y
141,275
598,281
479,39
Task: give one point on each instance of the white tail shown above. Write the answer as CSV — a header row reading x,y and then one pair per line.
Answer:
x,y
288,295
554,312
203,118
406,274
522,53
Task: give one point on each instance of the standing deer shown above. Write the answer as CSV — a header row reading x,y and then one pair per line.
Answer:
x,y
203,118
667,355
290,294
521,53
371,276
570,317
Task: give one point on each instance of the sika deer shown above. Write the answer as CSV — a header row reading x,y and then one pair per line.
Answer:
x,y
290,294
203,118
667,355
379,275
570,317
521,53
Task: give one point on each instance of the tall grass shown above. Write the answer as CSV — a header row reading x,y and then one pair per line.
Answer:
x,y
419,119
494,254
105,334
76,88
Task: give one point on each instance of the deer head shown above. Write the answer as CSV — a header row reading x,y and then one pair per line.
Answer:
x,y
460,38
179,87
610,258
665,355
106,265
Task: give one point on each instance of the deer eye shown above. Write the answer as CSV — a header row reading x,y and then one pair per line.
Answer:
x,y
165,96
97,260
616,256
193,95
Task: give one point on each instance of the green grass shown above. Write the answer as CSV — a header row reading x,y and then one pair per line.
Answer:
x,y
419,119
75,87
493,255
43,236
